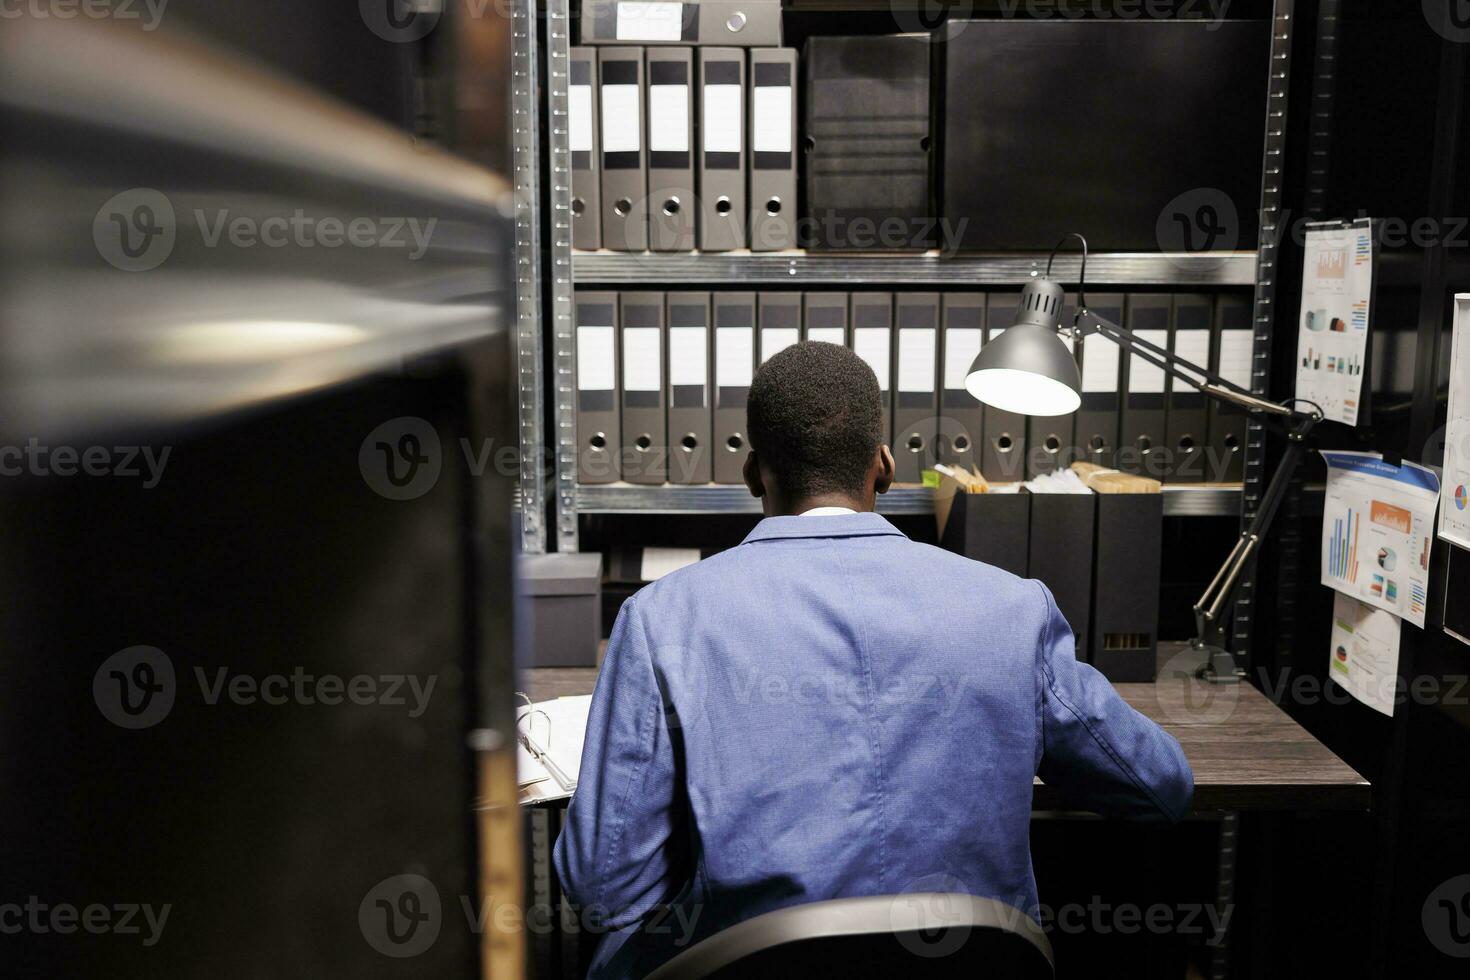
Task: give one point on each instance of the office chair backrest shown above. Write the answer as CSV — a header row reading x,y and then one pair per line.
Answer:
x,y
929,934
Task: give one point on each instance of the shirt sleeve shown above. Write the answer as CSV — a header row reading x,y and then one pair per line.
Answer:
x,y
618,855
1096,750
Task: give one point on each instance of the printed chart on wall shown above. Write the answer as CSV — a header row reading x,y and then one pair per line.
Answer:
x,y
1377,527
1332,338
1454,508
1364,659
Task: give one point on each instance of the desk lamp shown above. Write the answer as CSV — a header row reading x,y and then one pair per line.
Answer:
x,y
1030,371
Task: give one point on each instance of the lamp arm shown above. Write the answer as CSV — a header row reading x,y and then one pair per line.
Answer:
x,y
1210,608
1215,385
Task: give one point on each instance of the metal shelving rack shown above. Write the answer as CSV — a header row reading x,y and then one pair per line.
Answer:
x,y
530,500
799,268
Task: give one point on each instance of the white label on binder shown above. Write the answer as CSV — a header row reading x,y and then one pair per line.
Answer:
x,y
595,359
827,335
734,347
916,360
1099,363
579,106
641,360
658,562
687,355
1192,345
1235,357
775,339
961,347
1145,378
871,344
772,119
645,21
620,120
668,118
722,119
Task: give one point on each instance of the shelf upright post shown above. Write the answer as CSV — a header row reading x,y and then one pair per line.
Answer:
x,y
564,348
526,166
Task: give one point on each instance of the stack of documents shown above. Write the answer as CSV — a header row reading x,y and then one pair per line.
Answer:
x,y
550,734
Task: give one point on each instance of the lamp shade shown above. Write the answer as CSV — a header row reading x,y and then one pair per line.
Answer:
x,y
1027,370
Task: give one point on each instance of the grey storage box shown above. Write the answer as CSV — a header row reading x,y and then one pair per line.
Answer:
x,y
562,598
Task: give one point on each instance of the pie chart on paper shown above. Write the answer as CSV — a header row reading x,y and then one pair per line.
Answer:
x,y
1462,499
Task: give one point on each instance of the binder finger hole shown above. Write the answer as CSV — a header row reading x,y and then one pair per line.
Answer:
x,y
1097,444
924,143
915,443
689,443
598,441
1004,442
622,206
1232,442
1053,445
644,443
961,444
1186,444
672,206
773,206
1144,444
735,442
579,206
723,205
811,144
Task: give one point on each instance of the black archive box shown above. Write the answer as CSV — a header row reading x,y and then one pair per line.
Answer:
x,y
1061,552
1125,597
990,527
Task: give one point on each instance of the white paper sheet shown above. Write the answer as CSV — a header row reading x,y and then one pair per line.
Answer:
x,y
827,335
961,347
1144,377
668,118
1454,507
641,20
1332,332
734,347
579,113
723,121
1099,364
595,368
658,562
621,122
772,132
688,355
641,359
776,339
871,344
1377,528
1364,653
555,731
916,359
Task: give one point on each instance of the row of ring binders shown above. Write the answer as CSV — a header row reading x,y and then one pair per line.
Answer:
x,y
677,148
663,377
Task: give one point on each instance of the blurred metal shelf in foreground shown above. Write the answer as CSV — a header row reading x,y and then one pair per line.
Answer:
x,y
834,271
1210,500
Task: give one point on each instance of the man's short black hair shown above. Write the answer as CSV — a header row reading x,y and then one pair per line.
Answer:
x,y
814,418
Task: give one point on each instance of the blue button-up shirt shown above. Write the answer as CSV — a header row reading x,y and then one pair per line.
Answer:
x,y
832,710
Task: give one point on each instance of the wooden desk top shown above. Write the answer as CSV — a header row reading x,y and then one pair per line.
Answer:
x,y
1247,754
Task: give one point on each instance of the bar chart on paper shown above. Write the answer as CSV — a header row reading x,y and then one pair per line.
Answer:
x,y
1342,554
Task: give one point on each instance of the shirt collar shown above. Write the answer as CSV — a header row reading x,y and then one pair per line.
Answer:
x,y
865,524
826,512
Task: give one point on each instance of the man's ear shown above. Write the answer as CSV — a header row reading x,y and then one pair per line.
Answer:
x,y
751,472
887,468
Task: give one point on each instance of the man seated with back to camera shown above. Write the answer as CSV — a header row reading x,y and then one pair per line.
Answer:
x,y
832,710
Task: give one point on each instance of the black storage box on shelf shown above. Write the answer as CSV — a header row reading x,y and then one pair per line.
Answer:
x,y
1142,134
562,598
1125,607
1061,555
869,150
990,527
